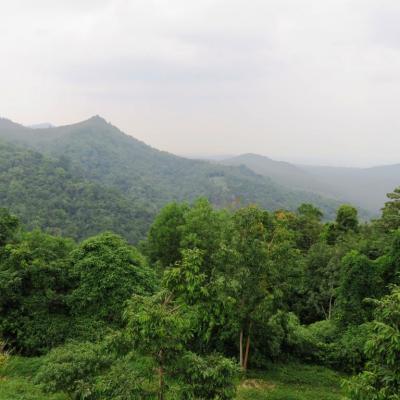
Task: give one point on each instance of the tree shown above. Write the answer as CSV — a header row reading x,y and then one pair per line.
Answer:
x,y
210,294
34,282
391,211
165,235
8,226
308,225
381,377
203,229
322,274
211,377
252,271
389,263
107,271
160,328
347,218
359,280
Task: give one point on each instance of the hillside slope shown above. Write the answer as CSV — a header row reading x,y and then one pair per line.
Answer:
x,y
50,194
363,187
366,187
287,174
146,175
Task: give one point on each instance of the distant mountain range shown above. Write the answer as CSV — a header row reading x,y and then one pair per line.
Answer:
x,y
119,173
43,125
363,187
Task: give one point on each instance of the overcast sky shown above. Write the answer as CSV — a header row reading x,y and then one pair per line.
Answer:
x,y
314,81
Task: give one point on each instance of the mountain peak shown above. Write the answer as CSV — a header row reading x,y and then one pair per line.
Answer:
x,y
97,119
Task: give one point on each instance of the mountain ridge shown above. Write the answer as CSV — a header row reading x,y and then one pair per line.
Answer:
x,y
364,187
143,175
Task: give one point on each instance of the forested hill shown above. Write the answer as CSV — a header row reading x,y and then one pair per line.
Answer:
x,y
50,194
143,178
345,184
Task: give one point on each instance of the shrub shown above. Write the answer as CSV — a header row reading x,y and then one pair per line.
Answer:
x,y
212,377
72,368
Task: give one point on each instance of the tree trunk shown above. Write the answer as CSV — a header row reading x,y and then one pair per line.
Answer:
x,y
246,355
241,348
160,377
330,308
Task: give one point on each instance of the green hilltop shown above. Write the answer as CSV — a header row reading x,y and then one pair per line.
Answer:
x,y
122,181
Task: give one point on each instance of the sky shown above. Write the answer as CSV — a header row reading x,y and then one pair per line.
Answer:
x,y
306,81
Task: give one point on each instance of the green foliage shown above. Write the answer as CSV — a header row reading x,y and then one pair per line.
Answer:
x,y
209,293
347,218
245,283
212,377
34,280
347,351
16,381
359,280
72,367
291,382
388,264
94,371
53,195
107,271
165,235
308,226
158,326
125,380
8,226
391,211
279,381
322,273
381,377
253,271
3,355
101,179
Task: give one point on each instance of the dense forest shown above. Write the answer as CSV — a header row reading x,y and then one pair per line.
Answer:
x,y
210,295
115,182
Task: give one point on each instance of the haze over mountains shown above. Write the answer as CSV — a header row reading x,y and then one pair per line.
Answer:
x,y
83,178
364,187
93,177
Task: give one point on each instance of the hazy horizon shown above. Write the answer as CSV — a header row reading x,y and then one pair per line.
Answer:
x,y
299,161
305,82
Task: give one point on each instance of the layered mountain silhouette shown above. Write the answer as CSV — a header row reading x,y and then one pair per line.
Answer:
x,y
363,187
132,180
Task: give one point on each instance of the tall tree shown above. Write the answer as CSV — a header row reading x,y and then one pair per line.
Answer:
x,y
308,226
381,377
359,280
253,272
107,271
34,282
347,218
8,226
159,328
164,239
391,211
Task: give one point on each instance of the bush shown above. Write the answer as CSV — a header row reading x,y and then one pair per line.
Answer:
x,y
34,280
125,380
3,355
72,368
309,343
212,377
108,271
347,352
380,379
